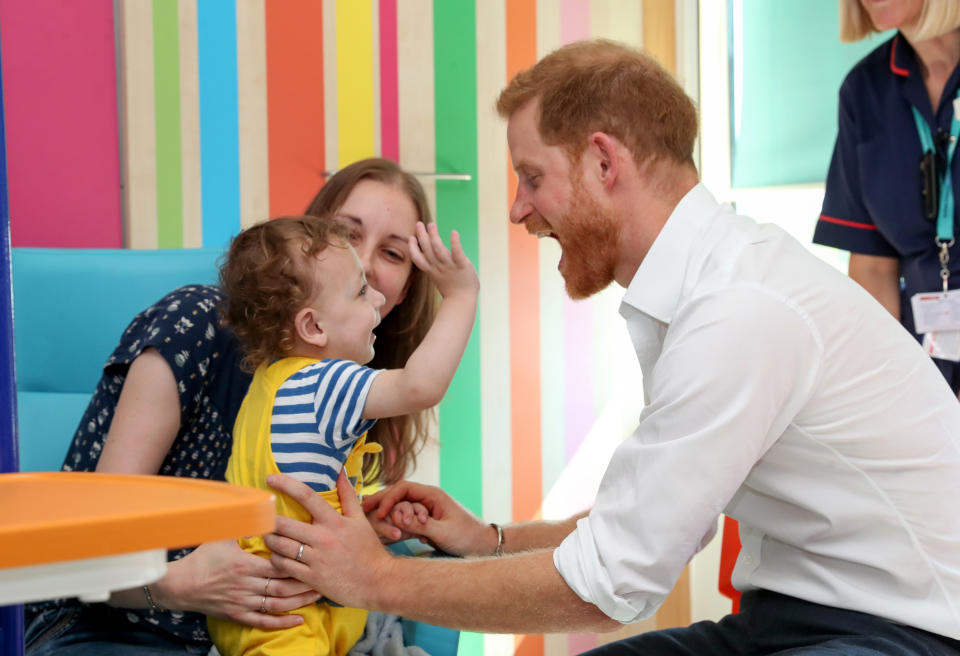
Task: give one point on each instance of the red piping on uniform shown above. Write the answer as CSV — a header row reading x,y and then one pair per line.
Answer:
x,y
849,224
893,52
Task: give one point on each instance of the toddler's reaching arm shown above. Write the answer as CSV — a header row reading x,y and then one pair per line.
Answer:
x,y
424,380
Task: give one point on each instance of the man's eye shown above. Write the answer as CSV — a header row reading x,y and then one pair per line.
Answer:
x,y
363,290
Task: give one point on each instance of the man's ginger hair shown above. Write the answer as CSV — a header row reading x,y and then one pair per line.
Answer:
x,y
266,280
604,86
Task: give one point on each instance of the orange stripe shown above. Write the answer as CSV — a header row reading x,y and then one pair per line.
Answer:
x,y
294,103
524,319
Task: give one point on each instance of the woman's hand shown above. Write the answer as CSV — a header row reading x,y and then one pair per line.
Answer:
x,y
449,527
337,555
222,580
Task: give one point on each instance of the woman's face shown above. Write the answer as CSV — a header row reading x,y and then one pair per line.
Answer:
x,y
893,14
381,217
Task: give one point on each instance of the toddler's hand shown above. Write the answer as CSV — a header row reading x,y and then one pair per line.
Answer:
x,y
405,520
451,270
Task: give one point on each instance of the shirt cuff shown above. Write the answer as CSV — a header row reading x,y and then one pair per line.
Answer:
x,y
579,563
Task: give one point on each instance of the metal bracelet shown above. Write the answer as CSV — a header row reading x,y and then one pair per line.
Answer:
x,y
154,606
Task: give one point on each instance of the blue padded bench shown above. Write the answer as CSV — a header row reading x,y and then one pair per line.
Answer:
x,y
70,307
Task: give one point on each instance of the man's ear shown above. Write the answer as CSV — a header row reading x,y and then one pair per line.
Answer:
x,y
603,150
309,327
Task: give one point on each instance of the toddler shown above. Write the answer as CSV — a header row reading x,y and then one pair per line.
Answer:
x,y
297,298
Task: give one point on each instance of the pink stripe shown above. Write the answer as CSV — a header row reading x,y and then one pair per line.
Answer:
x,y
574,20
389,96
577,320
578,340
60,96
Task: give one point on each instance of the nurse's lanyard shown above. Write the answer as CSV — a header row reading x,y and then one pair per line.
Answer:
x,y
945,237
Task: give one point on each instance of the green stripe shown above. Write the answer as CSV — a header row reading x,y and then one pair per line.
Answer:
x,y
455,84
166,72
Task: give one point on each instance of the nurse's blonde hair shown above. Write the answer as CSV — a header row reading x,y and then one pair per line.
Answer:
x,y
937,17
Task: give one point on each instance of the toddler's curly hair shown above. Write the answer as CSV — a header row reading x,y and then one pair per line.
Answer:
x,y
266,281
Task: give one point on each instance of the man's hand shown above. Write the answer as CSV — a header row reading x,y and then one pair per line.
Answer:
x,y
339,556
449,527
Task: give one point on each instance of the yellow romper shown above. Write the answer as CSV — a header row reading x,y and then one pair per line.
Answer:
x,y
326,629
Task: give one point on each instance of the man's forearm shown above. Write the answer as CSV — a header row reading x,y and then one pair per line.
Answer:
x,y
522,593
526,536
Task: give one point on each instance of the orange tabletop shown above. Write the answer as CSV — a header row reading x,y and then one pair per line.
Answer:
x,y
49,517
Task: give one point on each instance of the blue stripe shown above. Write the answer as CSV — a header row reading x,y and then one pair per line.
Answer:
x,y
293,409
308,447
286,429
361,386
328,433
332,374
219,123
312,467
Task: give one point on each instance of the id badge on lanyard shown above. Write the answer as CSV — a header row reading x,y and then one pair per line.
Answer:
x,y
936,314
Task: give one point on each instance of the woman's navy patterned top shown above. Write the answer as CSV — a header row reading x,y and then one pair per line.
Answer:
x,y
205,359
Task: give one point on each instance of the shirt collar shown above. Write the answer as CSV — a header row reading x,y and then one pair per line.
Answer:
x,y
902,59
657,284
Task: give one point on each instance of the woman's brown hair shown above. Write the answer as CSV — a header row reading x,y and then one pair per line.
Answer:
x,y
402,330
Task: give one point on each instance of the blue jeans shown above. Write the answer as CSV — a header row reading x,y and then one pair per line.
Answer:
x,y
772,624
70,631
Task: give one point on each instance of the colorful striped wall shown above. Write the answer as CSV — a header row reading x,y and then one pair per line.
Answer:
x,y
173,123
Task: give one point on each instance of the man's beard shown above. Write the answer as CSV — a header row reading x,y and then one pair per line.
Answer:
x,y
590,244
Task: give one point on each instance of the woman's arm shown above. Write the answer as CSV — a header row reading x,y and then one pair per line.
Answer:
x,y
219,578
880,276
146,420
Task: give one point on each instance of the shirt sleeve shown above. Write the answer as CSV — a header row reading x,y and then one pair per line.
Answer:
x,y
736,367
184,327
341,398
845,221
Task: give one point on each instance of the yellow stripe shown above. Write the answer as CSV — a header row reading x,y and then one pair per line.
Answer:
x,y
354,33
252,111
139,130
190,126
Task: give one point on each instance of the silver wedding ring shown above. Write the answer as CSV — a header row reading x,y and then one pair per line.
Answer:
x,y
266,585
263,604
300,553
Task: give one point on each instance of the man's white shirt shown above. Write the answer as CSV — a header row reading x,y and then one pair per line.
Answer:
x,y
780,393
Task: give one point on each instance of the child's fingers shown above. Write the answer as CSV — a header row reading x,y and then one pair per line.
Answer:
x,y
425,243
456,250
417,255
439,248
421,512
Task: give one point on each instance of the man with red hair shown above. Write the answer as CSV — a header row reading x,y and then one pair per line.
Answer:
x,y
778,392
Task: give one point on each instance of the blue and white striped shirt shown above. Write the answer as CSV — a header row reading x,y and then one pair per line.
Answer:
x,y
317,417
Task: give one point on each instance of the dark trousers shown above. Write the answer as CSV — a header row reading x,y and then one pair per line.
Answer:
x,y
770,623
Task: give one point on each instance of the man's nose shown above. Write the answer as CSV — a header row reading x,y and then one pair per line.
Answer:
x,y
520,210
